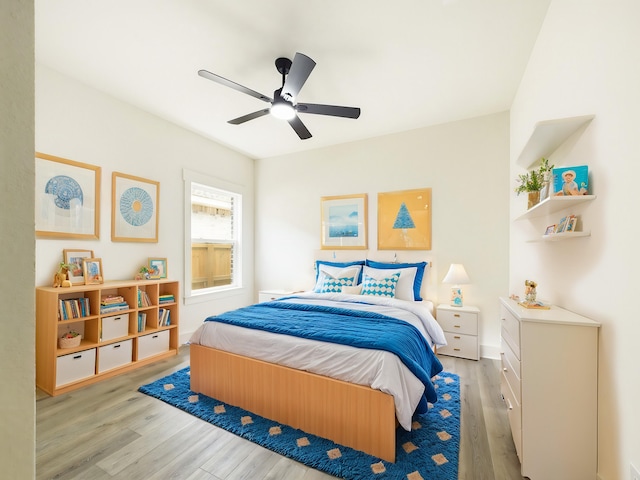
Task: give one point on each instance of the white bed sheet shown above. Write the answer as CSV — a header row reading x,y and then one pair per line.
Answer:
x,y
377,369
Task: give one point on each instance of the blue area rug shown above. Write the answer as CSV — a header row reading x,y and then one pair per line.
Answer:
x,y
428,452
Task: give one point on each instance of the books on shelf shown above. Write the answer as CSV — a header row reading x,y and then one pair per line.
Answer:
x,y
73,308
142,321
166,298
143,299
164,317
113,303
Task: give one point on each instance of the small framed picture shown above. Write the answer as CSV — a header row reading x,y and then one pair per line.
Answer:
x,y
92,269
551,229
74,257
562,224
571,223
158,267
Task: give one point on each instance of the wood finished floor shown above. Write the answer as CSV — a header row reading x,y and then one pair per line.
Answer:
x,y
109,430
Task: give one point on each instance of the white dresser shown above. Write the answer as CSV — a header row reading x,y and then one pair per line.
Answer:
x,y
549,383
460,326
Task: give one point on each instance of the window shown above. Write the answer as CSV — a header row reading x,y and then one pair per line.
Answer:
x,y
212,235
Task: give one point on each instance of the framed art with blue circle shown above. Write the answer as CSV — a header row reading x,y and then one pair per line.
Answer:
x,y
67,198
134,209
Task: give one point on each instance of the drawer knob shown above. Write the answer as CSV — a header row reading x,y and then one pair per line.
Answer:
x,y
505,369
457,337
509,406
456,349
457,315
456,326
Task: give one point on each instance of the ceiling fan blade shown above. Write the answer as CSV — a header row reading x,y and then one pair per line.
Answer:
x,y
249,116
299,127
236,86
333,110
300,70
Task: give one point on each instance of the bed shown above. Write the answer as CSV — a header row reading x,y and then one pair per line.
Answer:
x,y
336,362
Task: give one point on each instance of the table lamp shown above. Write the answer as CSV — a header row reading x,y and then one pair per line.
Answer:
x,y
456,276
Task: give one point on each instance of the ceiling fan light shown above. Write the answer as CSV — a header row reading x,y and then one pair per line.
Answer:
x,y
283,110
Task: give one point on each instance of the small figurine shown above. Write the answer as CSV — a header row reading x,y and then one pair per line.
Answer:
x,y
60,278
530,291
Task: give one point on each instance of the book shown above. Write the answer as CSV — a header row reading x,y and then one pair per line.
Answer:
x,y
538,305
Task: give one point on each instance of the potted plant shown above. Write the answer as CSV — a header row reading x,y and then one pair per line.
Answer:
x,y
534,181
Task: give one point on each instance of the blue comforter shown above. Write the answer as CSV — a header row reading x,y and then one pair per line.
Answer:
x,y
356,328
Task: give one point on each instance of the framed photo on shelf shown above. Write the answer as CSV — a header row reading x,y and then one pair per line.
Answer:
x,y
571,180
67,198
571,223
75,258
404,220
562,224
343,222
92,269
134,209
158,268
551,229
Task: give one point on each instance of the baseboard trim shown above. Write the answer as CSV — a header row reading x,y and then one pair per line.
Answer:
x,y
490,351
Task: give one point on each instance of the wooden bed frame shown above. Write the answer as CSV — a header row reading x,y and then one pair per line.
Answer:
x,y
352,415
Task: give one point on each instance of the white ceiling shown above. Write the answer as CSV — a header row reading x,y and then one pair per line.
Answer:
x,y
406,63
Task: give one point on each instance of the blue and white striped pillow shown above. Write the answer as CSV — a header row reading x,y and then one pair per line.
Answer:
x,y
334,285
385,287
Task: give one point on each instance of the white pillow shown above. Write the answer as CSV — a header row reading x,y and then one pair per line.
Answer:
x,y
335,272
355,290
404,288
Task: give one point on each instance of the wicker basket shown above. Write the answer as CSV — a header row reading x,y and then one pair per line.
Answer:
x,y
64,342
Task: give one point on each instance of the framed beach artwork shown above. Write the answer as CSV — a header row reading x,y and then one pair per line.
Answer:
x,y
67,198
134,209
344,222
404,220
92,269
75,258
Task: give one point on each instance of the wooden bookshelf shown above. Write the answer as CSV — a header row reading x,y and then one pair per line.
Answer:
x,y
122,347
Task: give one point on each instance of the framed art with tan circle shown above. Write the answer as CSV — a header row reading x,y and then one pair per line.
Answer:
x,y
134,209
404,220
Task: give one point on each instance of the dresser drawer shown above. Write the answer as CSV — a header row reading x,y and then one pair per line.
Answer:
x,y
512,326
458,322
514,412
511,370
114,355
460,345
75,366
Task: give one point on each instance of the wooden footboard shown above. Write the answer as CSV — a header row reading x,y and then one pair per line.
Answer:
x,y
352,415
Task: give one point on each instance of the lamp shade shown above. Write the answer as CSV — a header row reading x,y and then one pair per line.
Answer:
x,y
456,275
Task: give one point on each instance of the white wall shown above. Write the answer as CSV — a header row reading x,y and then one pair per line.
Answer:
x,y
466,165
79,123
17,324
587,61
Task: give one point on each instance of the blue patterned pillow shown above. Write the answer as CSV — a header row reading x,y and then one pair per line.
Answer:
x,y
334,285
385,287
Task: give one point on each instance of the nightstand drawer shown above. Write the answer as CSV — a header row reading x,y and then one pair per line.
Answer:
x,y
460,345
458,322
270,295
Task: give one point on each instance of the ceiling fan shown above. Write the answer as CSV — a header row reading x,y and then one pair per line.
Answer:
x,y
284,104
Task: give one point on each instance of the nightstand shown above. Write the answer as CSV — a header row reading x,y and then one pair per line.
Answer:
x,y
269,295
460,325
